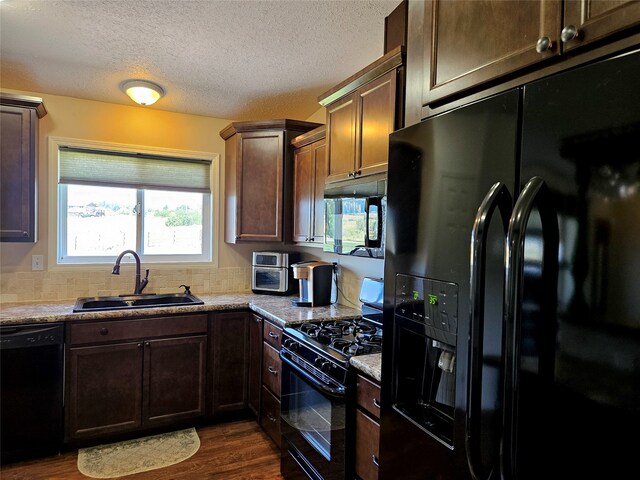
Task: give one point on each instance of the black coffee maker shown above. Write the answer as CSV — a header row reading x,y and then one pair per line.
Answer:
x,y
315,283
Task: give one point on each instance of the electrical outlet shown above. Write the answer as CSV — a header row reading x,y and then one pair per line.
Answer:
x,y
37,262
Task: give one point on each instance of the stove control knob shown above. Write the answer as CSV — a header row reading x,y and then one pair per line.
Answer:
x,y
322,364
291,345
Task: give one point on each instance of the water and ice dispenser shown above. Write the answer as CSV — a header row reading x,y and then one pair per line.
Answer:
x,y
424,370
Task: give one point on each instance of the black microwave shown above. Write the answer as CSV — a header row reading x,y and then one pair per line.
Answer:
x,y
355,217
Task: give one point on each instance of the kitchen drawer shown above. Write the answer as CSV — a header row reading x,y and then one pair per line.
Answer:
x,y
117,330
367,446
270,417
272,335
271,365
368,395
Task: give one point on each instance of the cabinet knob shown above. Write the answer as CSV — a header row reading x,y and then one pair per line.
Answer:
x,y
147,344
352,174
357,172
139,345
271,417
104,331
312,239
568,33
25,234
258,319
543,44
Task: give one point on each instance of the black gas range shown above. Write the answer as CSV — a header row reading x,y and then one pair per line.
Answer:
x,y
315,365
327,346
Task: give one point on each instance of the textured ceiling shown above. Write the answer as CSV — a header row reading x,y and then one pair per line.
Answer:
x,y
235,59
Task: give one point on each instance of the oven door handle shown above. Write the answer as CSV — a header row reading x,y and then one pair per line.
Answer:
x,y
336,392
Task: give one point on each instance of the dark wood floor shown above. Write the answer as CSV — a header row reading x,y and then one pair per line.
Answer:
x,y
237,450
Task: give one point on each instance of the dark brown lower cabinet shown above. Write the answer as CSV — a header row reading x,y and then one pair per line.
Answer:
x,y
255,363
270,417
229,361
174,370
367,428
271,373
129,375
367,446
104,390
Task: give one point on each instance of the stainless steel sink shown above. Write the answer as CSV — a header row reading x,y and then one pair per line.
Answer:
x,y
92,304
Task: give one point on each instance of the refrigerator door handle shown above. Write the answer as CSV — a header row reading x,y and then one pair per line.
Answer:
x,y
534,194
497,197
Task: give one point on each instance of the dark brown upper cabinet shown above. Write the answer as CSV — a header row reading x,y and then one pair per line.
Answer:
x,y
19,166
361,113
469,43
309,172
259,179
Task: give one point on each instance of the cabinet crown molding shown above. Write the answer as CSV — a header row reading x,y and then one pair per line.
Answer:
x,y
24,101
277,124
309,137
393,59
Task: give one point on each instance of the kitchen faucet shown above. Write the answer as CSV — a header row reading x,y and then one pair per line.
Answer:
x,y
140,285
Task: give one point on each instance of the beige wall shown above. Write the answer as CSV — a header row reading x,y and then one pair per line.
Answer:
x,y
97,121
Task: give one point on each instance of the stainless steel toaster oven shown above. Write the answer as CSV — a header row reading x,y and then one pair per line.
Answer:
x,y
271,273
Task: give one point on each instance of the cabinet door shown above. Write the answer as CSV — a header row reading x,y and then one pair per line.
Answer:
x,y
377,112
260,195
367,446
271,366
596,19
104,390
341,138
174,379
230,357
17,174
302,193
319,150
255,363
476,41
270,418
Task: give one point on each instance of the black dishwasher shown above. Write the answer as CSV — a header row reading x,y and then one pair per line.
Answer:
x,y
31,377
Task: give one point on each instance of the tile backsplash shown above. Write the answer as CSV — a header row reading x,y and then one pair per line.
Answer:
x,y
69,285
65,285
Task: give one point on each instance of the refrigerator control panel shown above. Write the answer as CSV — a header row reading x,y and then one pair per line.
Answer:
x,y
433,303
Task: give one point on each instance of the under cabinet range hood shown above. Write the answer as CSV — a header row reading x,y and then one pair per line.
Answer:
x,y
355,217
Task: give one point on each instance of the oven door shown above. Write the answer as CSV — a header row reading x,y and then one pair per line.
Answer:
x,y
312,423
269,279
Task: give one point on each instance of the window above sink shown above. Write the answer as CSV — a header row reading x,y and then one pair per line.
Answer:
x,y
111,197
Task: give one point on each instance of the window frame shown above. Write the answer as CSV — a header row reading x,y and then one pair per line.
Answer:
x,y
57,218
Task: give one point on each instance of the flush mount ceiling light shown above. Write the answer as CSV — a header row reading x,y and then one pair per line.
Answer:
x,y
142,92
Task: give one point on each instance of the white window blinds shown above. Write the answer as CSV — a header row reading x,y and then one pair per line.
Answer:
x,y
122,169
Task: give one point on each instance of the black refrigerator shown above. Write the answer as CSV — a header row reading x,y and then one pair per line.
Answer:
x,y
512,284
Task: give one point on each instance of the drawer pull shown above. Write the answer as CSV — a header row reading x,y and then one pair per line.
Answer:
x,y
148,344
374,459
271,417
376,403
273,335
140,345
258,319
272,370
104,331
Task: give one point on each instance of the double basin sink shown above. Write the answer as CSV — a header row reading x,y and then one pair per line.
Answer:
x,y
93,304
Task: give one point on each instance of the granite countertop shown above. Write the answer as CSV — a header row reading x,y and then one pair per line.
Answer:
x,y
369,364
275,308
